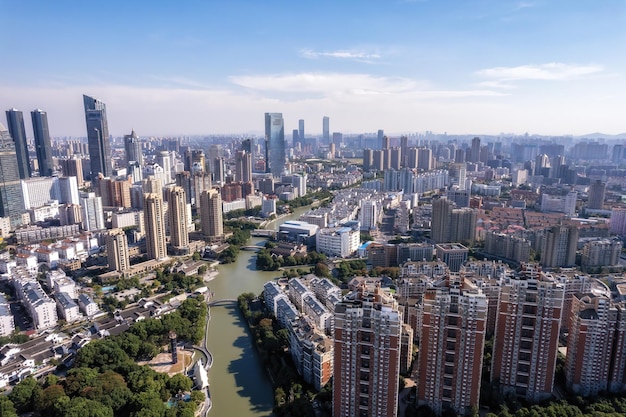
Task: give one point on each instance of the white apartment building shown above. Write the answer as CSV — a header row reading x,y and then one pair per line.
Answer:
x,y
67,308
7,324
87,305
297,291
40,307
316,311
341,242
369,215
38,191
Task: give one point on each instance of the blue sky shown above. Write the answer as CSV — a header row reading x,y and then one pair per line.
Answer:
x,y
198,67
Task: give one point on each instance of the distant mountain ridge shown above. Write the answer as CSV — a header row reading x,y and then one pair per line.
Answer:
x,y
599,135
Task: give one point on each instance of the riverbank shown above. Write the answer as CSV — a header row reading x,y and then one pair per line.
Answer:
x,y
239,383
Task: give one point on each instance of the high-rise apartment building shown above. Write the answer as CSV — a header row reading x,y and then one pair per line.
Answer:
x,y
475,151
97,136
452,339
73,167
11,198
211,214
243,166
164,160
275,143
527,334
154,219
369,214
559,247
590,344
93,216
15,123
43,146
132,148
177,212
326,129
300,130
117,250
597,191
367,350
424,159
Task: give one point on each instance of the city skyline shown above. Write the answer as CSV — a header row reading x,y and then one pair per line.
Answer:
x,y
480,67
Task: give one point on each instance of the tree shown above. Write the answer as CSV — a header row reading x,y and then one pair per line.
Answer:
x,y
82,407
179,383
198,397
147,404
49,396
196,256
7,409
24,393
321,270
80,378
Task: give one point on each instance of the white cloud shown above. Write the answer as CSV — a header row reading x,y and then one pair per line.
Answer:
x,y
524,5
555,71
312,82
343,85
341,54
355,103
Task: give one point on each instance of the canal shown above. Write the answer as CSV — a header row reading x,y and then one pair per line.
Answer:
x,y
239,384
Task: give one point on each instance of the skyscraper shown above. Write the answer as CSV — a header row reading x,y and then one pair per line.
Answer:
x,y
97,136
177,212
452,338
211,214
155,226
597,191
559,246
367,355
132,148
11,199
300,130
117,250
475,151
326,129
527,334
15,123
73,167
243,166
43,147
93,216
275,142
163,159
440,224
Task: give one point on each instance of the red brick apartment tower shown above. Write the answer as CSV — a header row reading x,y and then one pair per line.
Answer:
x,y
527,334
451,347
590,344
367,356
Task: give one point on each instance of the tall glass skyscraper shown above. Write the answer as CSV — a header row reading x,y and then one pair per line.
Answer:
x,y
11,200
42,142
275,143
132,146
15,123
97,136
326,129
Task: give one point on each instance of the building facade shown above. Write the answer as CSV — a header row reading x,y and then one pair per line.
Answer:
x,y
275,143
43,146
527,334
117,250
177,212
451,346
154,219
211,214
367,356
97,136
